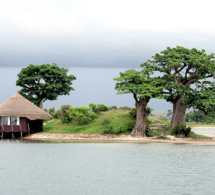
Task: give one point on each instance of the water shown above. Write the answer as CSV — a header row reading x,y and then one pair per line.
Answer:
x,y
106,168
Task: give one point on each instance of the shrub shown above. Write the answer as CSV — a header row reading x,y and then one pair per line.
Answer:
x,y
81,115
98,108
124,126
149,132
62,114
51,111
181,130
112,107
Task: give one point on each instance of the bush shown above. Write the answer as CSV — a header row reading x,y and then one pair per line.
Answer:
x,y
51,111
124,126
149,132
62,114
80,115
112,107
98,108
181,130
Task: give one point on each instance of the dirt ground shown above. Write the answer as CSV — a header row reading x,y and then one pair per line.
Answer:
x,y
114,138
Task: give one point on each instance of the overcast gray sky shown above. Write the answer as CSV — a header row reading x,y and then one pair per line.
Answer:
x,y
96,39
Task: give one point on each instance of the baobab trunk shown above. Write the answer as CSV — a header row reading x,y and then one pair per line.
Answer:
x,y
179,113
141,118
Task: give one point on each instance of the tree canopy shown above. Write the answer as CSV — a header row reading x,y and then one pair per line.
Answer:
x,y
143,88
44,82
181,67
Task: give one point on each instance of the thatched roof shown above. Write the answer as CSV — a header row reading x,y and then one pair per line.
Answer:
x,y
19,106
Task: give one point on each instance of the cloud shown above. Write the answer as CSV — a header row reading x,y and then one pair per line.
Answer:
x,y
100,33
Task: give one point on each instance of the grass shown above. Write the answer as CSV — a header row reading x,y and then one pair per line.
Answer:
x,y
194,135
113,122
194,124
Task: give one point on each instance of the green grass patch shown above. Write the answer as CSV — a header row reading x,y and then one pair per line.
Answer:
x,y
194,135
110,122
194,124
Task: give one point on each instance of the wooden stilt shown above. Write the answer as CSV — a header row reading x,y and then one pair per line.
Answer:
x,y
20,131
12,131
28,129
2,131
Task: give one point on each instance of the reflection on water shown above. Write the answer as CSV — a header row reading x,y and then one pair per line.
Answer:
x,y
38,167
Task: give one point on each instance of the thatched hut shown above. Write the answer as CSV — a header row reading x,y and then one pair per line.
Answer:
x,y
19,115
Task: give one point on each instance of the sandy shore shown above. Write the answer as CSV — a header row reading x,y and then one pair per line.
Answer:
x,y
114,138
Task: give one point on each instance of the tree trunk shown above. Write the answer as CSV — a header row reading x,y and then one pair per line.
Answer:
x,y
141,118
179,113
41,104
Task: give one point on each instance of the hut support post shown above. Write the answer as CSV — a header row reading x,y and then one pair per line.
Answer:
x,y
2,132
20,131
12,132
28,130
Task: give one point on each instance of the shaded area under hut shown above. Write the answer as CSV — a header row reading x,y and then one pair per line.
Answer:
x,y
20,117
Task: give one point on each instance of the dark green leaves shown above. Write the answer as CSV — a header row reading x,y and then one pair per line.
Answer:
x,y
44,82
139,84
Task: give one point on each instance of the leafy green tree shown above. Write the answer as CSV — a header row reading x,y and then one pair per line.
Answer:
x,y
203,97
44,82
181,68
143,88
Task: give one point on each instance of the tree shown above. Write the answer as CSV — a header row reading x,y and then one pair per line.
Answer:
x,y
203,97
143,89
181,67
44,82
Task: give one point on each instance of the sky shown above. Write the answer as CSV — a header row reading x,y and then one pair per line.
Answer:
x,y
96,40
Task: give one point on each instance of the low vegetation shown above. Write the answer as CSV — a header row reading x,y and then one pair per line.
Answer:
x,y
110,122
99,119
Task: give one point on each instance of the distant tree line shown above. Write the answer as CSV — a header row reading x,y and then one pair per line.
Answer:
x,y
199,116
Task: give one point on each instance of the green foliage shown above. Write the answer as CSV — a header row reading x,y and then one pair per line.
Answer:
x,y
81,115
51,111
149,132
195,116
76,115
98,108
194,135
181,130
203,97
139,84
125,108
182,67
112,108
44,82
169,114
132,112
121,127
110,122
199,116
63,114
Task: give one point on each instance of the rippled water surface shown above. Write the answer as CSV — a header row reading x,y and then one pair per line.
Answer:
x,y
106,168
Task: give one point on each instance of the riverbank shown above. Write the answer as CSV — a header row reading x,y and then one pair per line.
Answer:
x,y
114,138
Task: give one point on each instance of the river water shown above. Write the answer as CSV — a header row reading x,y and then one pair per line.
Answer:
x,y
39,167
